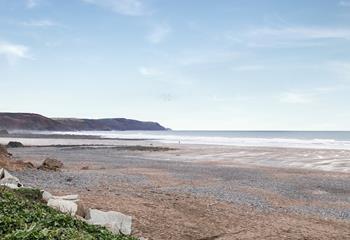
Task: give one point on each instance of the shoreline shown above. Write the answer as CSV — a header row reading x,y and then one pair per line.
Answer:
x,y
328,160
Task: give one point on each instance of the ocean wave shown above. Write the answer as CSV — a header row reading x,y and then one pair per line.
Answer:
x,y
196,138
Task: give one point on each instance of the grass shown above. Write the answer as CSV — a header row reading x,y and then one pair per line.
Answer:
x,y
23,216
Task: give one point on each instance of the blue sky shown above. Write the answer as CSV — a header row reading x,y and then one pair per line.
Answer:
x,y
200,64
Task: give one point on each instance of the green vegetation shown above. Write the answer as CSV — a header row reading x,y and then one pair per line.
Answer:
x,y
23,216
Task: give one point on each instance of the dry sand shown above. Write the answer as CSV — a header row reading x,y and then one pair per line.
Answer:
x,y
206,192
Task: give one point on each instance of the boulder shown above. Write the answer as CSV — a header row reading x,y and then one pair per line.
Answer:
x,y
81,212
64,206
46,196
3,132
72,207
114,221
14,145
51,164
6,179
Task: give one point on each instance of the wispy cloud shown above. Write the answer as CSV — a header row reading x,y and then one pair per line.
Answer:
x,y
248,68
40,23
296,97
206,57
32,3
13,52
287,37
159,33
305,96
302,33
124,7
344,3
150,72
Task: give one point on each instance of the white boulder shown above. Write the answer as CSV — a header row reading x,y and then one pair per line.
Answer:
x,y
114,221
46,196
64,206
6,179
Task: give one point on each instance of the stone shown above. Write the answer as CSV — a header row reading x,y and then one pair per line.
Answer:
x,y
15,145
6,179
81,212
61,203
73,197
51,164
46,196
114,221
65,206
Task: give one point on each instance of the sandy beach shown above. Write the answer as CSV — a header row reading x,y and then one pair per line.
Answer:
x,y
178,191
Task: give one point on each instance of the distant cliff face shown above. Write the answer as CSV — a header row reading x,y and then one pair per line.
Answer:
x,y
36,122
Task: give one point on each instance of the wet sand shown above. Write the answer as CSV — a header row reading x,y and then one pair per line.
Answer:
x,y
205,192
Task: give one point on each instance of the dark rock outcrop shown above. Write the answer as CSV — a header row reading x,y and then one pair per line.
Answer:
x,y
35,122
15,145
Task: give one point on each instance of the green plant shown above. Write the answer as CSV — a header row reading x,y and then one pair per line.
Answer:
x,y
23,217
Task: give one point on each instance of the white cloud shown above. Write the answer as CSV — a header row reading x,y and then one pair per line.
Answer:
x,y
344,3
288,37
306,96
39,23
302,33
206,57
32,3
159,33
124,7
149,72
294,97
248,68
13,52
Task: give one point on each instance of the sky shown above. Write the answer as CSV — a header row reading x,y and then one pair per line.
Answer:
x,y
189,65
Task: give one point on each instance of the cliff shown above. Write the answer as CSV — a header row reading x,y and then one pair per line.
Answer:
x,y
36,122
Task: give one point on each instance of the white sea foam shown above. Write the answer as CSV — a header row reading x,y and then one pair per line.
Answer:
x,y
196,138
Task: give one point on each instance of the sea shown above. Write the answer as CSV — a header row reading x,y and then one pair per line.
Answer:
x,y
289,139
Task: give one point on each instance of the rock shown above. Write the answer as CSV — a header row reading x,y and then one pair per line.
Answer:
x,y
46,196
6,179
24,164
69,179
81,212
114,221
14,145
3,132
85,168
73,197
51,164
65,206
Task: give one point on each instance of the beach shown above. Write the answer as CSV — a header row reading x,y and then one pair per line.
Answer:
x,y
196,191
